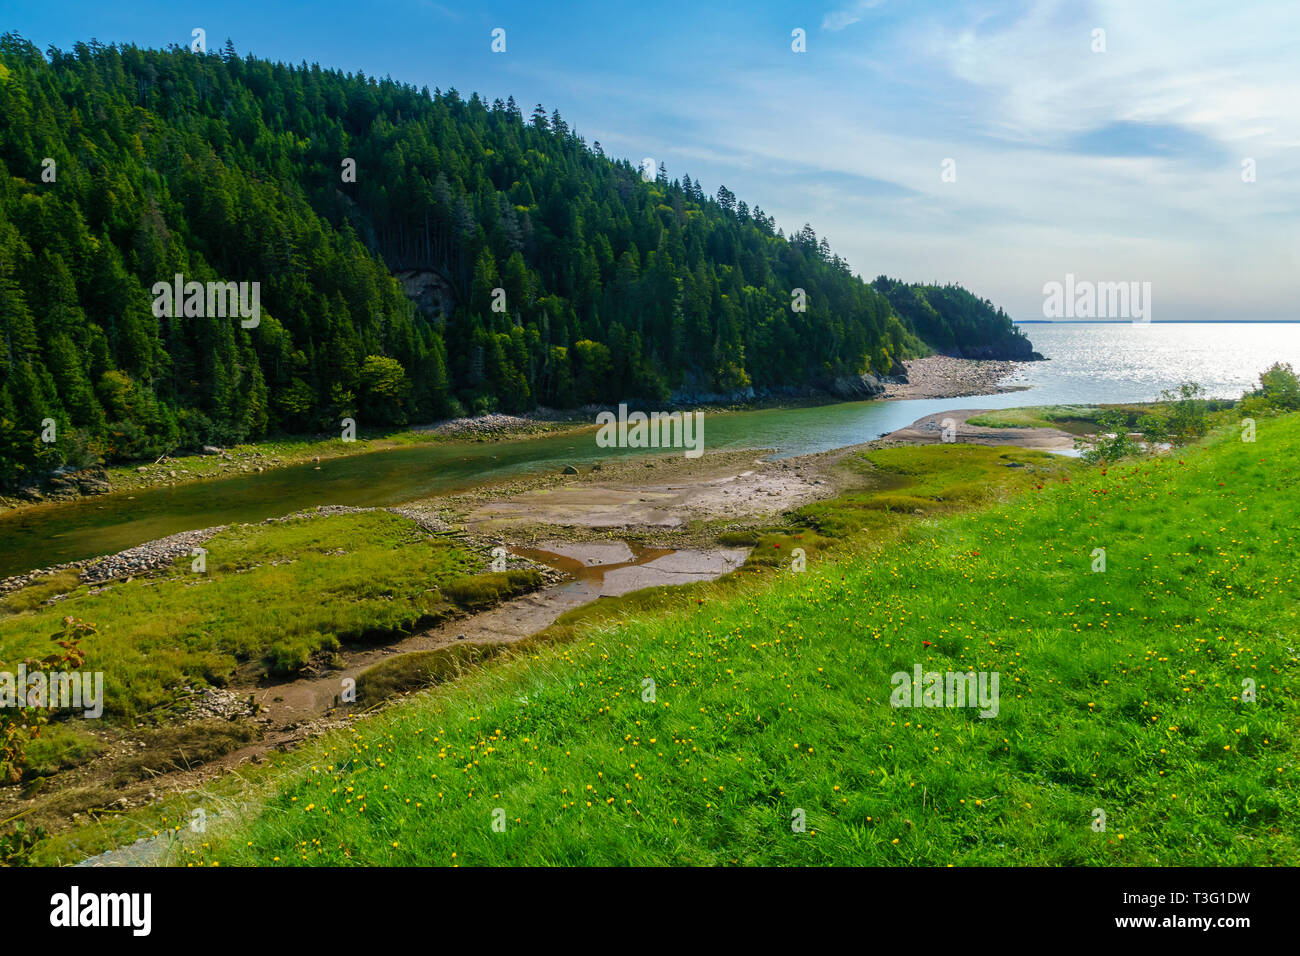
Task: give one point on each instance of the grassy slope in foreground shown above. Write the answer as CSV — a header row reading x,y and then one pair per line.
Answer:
x,y
1119,690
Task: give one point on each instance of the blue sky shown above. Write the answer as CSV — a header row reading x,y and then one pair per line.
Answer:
x,y
1117,165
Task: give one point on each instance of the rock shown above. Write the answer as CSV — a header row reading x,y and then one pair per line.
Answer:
x,y
171,474
569,470
1011,348
210,450
142,470
865,385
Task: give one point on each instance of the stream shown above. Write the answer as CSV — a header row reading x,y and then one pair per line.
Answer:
x,y
106,524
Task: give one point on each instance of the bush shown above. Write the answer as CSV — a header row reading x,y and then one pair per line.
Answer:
x,y
1279,390
1112,441
1185,410
16,845
1154,428
20,725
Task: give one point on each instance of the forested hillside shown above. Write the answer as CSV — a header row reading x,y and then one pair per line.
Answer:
x,y
479,259
952,319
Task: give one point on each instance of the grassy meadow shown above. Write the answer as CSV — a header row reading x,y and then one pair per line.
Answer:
x,y
1123,692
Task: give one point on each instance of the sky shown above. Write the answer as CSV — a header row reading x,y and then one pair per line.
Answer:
x,y
1001,145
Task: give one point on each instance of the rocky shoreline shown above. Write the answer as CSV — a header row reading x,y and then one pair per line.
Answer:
x,y
150,556
485,425
941,376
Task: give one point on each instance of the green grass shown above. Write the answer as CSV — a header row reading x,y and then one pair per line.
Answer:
x,y
1039,416
273,594
1120,691
1084,419
59,747
934,480
407,672
34,595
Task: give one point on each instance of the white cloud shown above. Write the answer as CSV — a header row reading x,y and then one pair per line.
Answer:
x,y
847,16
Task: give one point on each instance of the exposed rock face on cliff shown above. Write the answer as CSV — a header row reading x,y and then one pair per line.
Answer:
x,y
430,291
1009,349
66,482
861,386
844,387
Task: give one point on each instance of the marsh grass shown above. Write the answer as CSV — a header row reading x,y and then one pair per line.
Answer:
x,y
1074,418
273,595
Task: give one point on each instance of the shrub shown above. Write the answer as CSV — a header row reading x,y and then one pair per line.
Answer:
x,y
1112,441
1154,428
1185,410
1279,390
19,725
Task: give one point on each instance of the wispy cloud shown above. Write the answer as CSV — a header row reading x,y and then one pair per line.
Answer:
x,y
846,16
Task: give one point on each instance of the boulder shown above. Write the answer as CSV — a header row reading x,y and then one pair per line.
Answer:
x,y
865,385
92,483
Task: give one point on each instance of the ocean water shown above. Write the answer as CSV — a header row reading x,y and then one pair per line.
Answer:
x,y
1125,362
